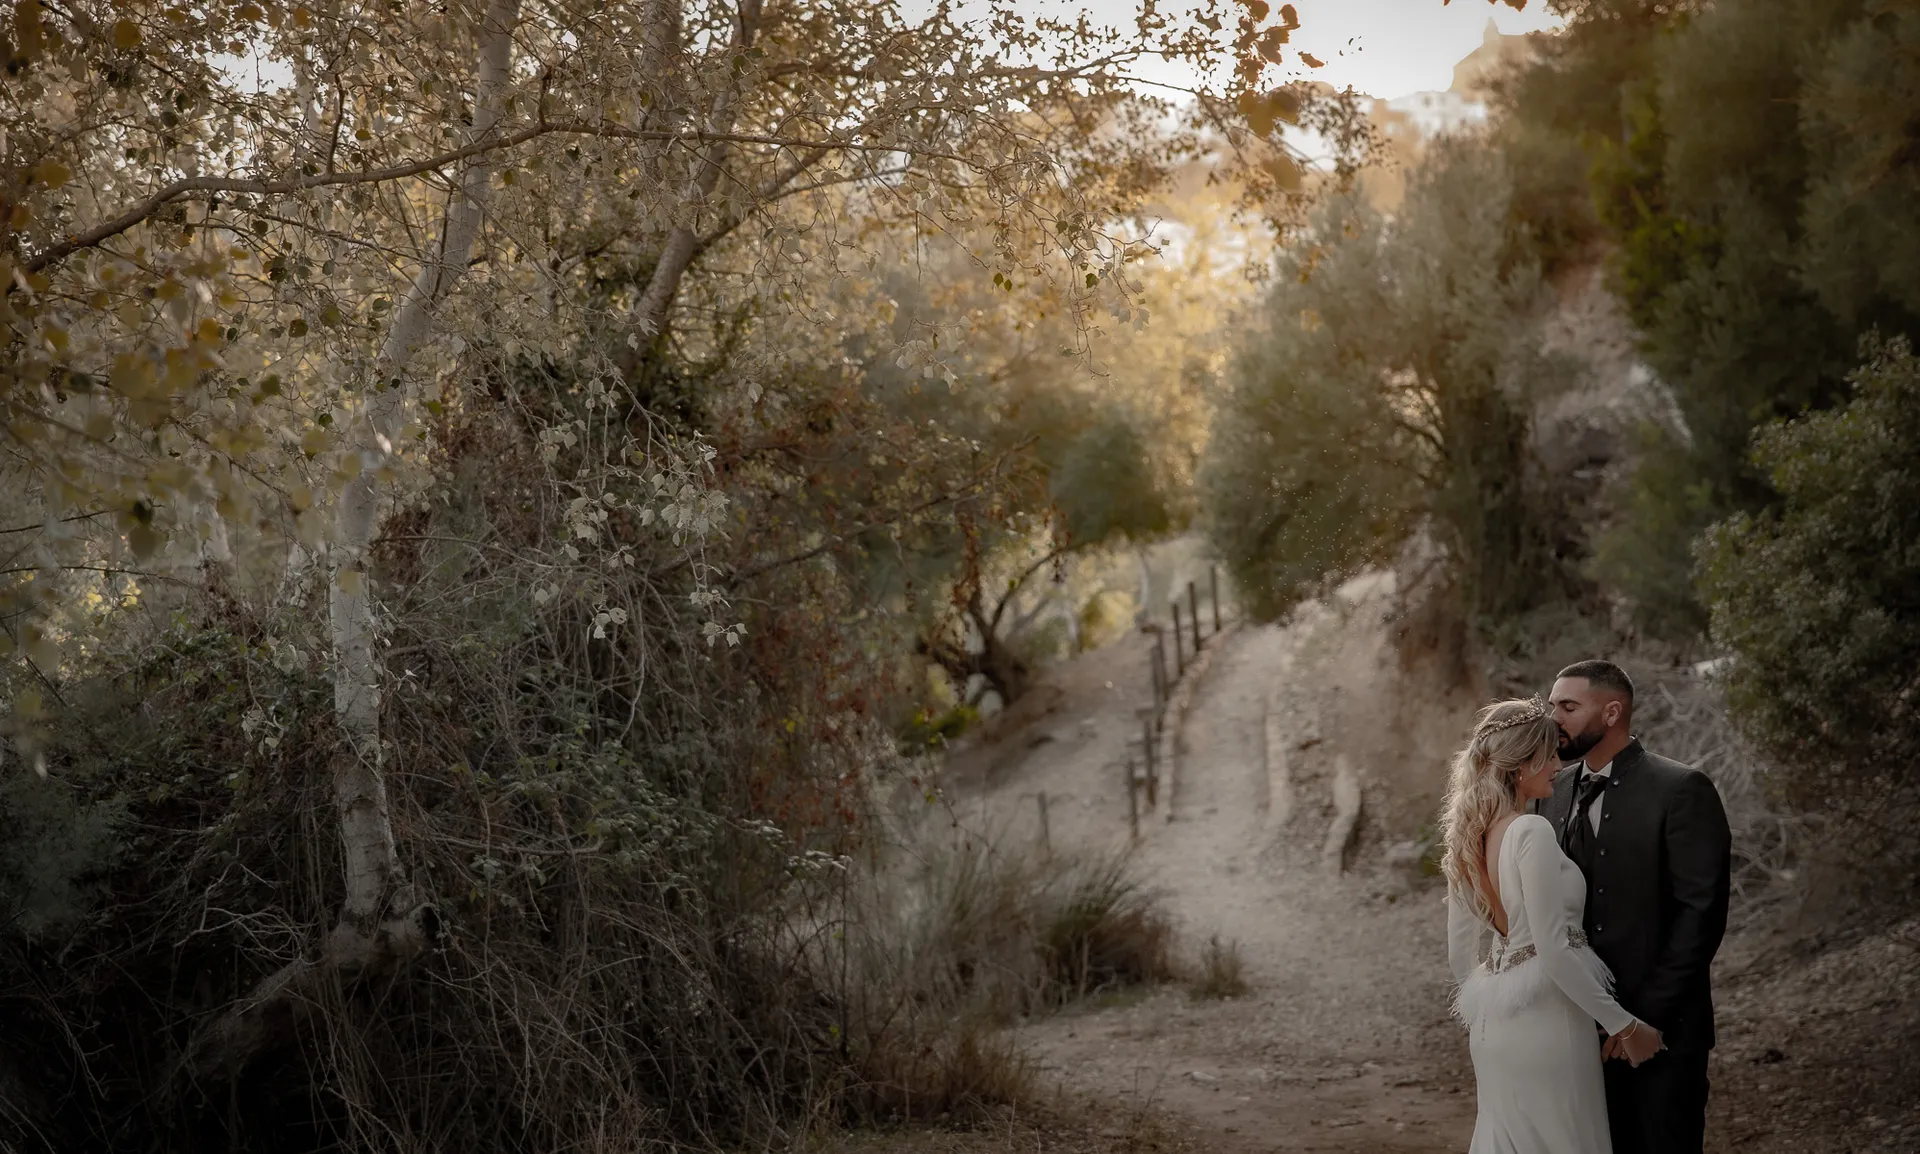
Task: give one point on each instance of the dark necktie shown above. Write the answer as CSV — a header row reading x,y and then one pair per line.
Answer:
x,y
1579,832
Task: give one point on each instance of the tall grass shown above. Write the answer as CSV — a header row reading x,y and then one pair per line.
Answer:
x,y
957,935
1223,970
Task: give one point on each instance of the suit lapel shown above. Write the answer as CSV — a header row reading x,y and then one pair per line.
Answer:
x,y
1622,775
1555,810
1624,763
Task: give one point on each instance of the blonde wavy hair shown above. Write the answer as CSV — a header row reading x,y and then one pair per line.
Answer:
x,y
1508,737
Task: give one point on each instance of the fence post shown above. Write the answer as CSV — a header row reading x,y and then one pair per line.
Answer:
x,y
1046,833
1133,802
1153,771
1153,674
1179,659
1160,690
1146,746
1193,611
1213,588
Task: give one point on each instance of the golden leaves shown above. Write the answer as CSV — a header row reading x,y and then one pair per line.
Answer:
x,y
132,375
1264,110
43,650
145,541
1284,172
349,468
52,173
236,442
126,35
183,368
28,34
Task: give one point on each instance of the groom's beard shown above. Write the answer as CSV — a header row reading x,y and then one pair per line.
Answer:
x,y
1573,748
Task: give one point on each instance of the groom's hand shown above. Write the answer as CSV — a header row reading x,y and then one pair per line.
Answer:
x,y
1637,1043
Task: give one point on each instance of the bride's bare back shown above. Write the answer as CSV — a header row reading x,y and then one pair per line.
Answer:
x,y
1490,872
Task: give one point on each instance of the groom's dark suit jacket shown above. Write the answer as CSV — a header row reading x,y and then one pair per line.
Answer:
x,y
1657,883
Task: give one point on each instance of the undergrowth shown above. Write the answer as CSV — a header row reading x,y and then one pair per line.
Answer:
x,y
664,911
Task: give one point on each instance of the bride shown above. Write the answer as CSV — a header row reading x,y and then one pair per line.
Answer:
x,y
1530,1004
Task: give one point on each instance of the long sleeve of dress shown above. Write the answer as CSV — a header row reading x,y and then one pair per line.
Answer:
x,y
1465,933
1537,860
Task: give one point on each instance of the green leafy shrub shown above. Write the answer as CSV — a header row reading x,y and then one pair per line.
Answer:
x,y
930,730
1818,598
1746,173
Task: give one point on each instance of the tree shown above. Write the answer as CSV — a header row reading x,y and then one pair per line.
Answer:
x,y
1051,456
1815,598
1737,167
1100,491
1387,390
246,316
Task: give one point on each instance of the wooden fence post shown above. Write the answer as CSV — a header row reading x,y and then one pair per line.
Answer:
x,y
1153,771
1179,659
1213,587
1133,802
1146,746
1160,689
1193,611
1153,674
1046,832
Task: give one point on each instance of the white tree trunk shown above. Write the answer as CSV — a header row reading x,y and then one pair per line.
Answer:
x,y
373,873
709,164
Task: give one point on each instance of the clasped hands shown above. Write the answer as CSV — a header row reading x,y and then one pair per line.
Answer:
x,y
1636,1044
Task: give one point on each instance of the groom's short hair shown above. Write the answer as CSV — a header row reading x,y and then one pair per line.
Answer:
x,y
1604,674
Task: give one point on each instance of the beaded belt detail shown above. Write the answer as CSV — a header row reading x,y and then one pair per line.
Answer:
x,y
1500,961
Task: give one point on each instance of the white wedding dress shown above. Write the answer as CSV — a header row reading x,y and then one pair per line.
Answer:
x,y
1530,1004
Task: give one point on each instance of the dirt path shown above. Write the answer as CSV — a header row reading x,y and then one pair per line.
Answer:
x,y
1342,1043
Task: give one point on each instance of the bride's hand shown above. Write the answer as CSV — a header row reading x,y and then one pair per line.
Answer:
x,y
1636,1043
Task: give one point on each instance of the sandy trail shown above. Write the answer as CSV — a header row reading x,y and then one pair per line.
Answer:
x,y
1343,1042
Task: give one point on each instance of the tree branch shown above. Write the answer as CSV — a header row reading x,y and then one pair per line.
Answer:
x,y
1007,598
194,185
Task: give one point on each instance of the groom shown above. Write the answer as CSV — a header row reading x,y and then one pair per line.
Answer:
x,y
1651,836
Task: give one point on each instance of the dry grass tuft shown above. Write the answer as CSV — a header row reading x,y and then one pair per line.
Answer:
x,y
1107,934
1223,971
954,938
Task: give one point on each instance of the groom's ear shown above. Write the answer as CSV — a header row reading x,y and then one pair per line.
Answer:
x,y
1613,711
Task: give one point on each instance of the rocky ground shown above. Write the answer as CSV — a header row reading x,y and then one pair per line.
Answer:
x,y
1305,766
